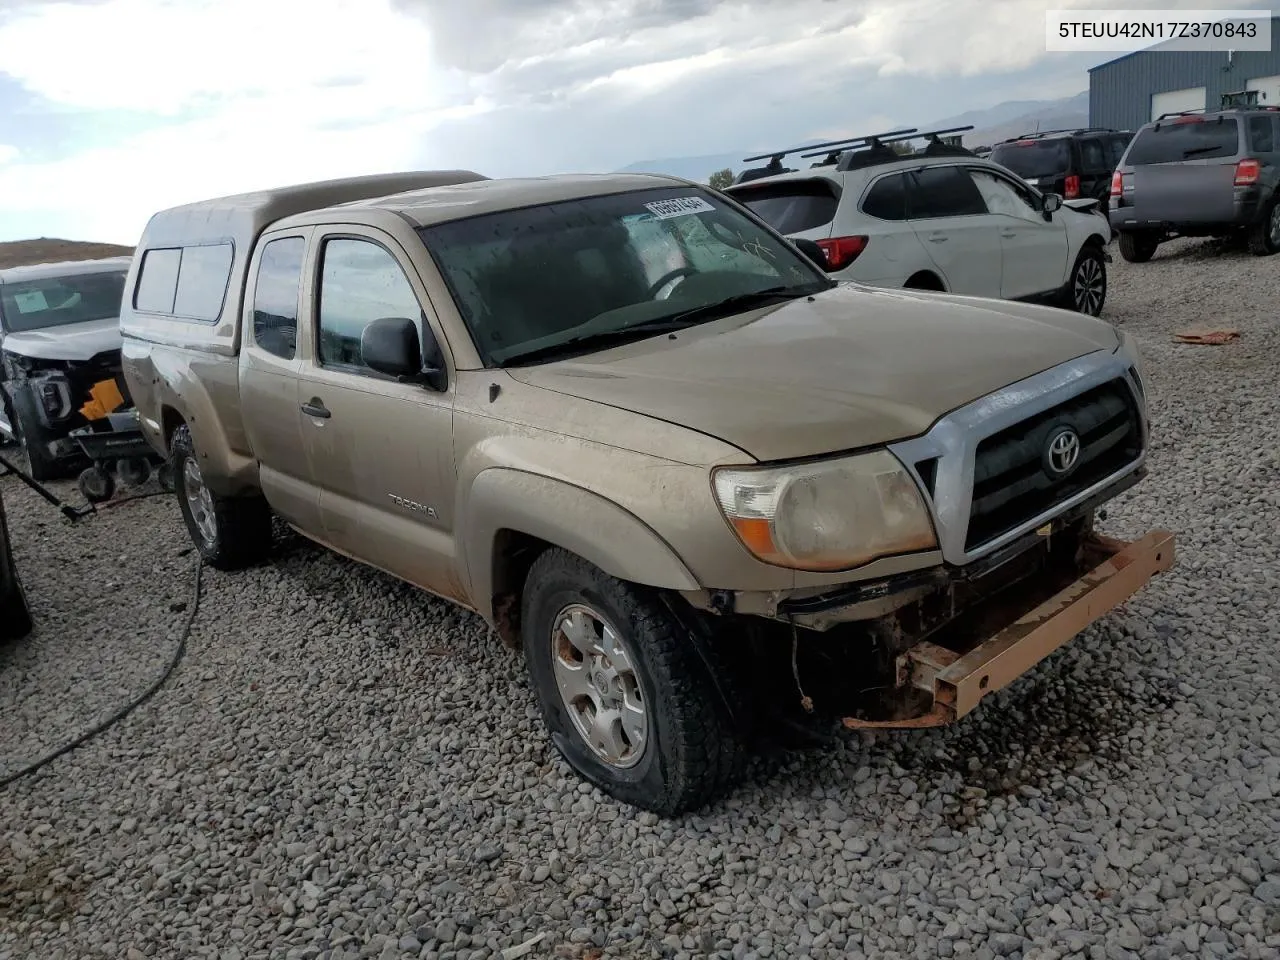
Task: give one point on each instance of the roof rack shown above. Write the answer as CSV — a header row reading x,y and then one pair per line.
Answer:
x,y
1073,131
878,151
779,154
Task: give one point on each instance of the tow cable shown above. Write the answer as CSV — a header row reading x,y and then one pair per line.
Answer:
x,y
75,514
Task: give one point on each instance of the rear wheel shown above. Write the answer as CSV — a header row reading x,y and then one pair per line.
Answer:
x,y
625,698
229,532
1138,247
1264,236
1086,290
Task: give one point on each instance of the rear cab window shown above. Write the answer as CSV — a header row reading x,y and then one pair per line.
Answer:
x,y
792,206
1186,138
185,282
1033,158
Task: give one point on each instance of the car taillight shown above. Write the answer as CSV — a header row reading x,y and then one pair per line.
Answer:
x,y
1073,187
1247,172
842,251
1117,183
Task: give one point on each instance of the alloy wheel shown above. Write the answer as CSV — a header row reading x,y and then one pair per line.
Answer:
x,y
1089,286
199,501
598,685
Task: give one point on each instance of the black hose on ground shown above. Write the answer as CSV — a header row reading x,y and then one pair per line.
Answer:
x,y
147,694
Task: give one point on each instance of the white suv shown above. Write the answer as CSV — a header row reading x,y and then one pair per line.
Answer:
x,y
943,220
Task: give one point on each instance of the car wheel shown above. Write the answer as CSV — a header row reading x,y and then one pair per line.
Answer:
x,y
1087,286
229,532
1138,247
33,436
1264,237
625,698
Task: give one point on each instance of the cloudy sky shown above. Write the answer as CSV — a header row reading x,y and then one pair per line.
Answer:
x,y
111,109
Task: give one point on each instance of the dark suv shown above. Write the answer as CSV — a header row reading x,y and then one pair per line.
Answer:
x,y
1076,164
1199,174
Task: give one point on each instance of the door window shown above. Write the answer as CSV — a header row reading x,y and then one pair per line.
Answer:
x,y
275,297
944,192
1261,132
1002,197
359,282
887,199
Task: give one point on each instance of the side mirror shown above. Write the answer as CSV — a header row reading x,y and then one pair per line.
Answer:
x,y
814,252
390,345
1052,203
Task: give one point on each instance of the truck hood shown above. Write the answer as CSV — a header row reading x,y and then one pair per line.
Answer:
x,y
851,367
75,341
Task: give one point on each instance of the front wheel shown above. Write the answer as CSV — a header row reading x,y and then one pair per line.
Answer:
x,y
229,532
1087,286
625,698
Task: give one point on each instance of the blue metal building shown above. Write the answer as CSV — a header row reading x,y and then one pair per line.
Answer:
x,y
1131,90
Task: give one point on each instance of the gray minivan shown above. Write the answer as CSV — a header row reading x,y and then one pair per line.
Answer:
x,y
1199,174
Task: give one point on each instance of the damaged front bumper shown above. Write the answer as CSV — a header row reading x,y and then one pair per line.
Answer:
x,y
946,675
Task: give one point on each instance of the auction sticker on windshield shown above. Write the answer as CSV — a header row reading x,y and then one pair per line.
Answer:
x,y
678,207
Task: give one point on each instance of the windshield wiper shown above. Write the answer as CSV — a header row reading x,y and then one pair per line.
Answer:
x,y
598,340
739,301
1192,151
676,321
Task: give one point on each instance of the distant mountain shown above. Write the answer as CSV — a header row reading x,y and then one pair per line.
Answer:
x,y
1004,120
1068,113
18,253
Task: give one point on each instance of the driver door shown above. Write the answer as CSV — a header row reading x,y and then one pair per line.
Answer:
x,y
380,452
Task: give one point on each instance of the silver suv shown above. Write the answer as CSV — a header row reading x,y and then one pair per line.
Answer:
x,y
1196,174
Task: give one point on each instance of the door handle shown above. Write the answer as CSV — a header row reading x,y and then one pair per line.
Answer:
x,y
314,408
938,238
1008,234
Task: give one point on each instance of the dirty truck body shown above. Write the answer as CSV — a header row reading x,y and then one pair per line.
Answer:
x,y
706,488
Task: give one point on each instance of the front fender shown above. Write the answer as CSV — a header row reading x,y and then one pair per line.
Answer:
x,y
582,522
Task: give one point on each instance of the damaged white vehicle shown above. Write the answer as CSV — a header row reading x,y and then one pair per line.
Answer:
x,y
59,339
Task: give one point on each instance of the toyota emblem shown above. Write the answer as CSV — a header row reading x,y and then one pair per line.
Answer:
x,y
1062,452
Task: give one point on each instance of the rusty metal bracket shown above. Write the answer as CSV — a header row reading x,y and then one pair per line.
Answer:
x,y
959,680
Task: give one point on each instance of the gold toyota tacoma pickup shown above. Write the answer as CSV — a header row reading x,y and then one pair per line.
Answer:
x,y
708,490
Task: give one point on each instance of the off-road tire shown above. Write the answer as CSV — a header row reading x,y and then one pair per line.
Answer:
x,y
1262,242
693,754
242,525
1138,247
31,434
1089,258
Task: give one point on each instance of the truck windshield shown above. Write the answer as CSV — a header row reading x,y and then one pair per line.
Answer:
x,y
1034,158
604,269
58,301
1192,138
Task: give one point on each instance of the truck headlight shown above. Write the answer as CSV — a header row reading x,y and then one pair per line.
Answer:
x,y
827,515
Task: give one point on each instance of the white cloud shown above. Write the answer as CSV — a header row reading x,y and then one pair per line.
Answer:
x,y
242,94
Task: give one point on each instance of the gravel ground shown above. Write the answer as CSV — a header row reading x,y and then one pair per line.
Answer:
x,y
342,767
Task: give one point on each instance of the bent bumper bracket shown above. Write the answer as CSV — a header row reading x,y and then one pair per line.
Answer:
x,y
959,680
